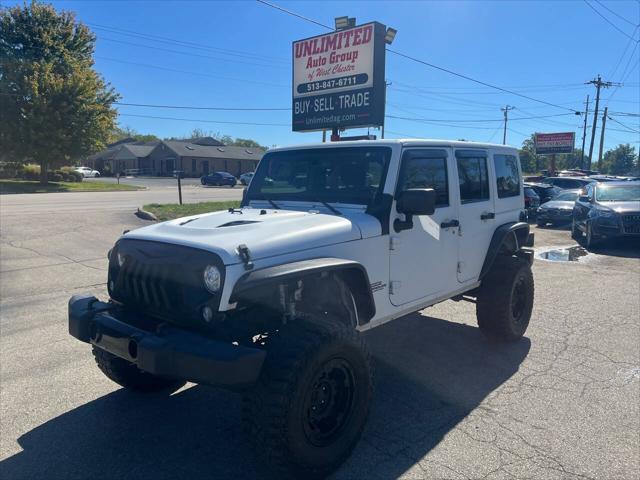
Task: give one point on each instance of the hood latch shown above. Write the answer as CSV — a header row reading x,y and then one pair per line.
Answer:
x,y
245,256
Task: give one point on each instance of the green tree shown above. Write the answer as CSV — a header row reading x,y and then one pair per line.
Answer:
x,y
54,107
120,133
621,160
531,163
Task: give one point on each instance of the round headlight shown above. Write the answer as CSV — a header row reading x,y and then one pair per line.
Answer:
x,y
212,278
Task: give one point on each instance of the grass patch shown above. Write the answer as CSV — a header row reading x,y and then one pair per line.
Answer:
x,y
25,186
169,211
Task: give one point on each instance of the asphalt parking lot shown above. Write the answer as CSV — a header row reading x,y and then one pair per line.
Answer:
x,y
562,403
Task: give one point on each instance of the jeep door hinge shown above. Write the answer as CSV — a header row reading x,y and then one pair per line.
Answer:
x,y
394,243
394,287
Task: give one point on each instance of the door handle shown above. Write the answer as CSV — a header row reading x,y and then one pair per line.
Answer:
x,y
450,224
487,216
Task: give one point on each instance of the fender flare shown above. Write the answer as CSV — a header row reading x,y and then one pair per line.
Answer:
x,y
352,272
510,237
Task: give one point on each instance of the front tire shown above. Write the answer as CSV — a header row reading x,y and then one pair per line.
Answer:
x,y
310,405
591,240
131,377
541,223
505,299
575,231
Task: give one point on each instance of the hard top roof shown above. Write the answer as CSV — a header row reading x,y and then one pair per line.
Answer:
x,y
404,142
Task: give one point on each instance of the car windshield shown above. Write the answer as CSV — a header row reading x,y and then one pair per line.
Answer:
x,y
344,175
567,197
621,193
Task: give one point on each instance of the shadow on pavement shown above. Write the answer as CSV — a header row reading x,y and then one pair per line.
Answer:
x,y
617,247
430,374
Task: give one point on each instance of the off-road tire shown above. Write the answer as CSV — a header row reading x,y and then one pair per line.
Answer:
x,y
505,299
131,377
277,412
576,233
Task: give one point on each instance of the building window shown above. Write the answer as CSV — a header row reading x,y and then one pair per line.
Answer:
x,y
507,175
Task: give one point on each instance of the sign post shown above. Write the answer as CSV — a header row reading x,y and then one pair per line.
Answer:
x,y
338,80
553,143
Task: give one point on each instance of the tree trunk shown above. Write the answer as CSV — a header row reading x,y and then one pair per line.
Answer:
x,y
44,173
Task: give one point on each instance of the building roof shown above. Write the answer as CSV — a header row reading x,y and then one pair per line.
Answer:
x,y
140,151
189,149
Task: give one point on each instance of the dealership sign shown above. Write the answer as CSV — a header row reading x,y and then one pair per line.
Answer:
x,y
338,79
550,143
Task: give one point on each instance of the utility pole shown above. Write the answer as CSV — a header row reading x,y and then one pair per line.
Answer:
x,y
604,123
506,113
599,84
584,133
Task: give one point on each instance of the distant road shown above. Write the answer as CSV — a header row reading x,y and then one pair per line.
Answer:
x,y
88,203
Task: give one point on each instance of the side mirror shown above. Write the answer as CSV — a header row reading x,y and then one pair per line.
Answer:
x,y
414,201
417,201
584,198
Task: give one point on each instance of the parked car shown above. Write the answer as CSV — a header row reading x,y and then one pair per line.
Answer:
x,y
245,178
270,298
568,183
559,210
531,201
545,191
607,210
219,179
87,172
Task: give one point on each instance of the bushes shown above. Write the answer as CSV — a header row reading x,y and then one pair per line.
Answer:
x,y
31,172
64,174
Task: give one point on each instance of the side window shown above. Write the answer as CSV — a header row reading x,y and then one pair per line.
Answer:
x,y
507,175
473,178
426,169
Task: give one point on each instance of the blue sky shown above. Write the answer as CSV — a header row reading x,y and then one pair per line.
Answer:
x,y
238,55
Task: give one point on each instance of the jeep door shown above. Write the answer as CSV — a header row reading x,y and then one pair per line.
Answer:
x,y
476,211
423,258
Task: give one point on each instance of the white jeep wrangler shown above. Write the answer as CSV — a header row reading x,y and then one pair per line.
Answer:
x,y
331,240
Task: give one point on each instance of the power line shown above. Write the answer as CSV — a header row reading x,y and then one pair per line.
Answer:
x,y
188,72
609,21
409,57
624,52
206,121
182,107
182,43
189,54
615,13
629,129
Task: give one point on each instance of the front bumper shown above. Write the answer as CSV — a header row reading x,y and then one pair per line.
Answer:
x,y
561,216
168,352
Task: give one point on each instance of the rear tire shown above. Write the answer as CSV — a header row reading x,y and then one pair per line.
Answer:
x,y
505,299
310,405
541,223
131,377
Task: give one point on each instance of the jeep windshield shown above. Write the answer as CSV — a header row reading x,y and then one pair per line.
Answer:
x,y
350,175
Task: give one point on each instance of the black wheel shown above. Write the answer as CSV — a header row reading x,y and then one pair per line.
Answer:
x,y
202,181
591,239
131,377
541,223
311,403
575,231
505,299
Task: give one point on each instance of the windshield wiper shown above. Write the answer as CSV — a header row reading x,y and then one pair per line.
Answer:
x,y
333,209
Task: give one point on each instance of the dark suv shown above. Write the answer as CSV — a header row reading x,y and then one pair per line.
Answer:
x,y
605,210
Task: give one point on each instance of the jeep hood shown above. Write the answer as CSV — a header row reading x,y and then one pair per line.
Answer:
x,y
274,232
